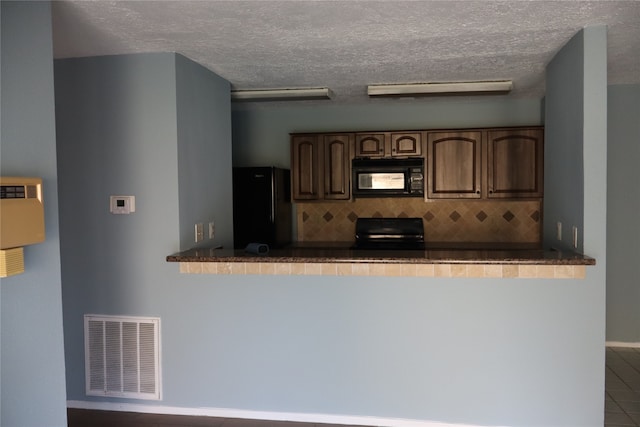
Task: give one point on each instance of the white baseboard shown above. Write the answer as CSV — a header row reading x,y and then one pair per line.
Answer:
x,y
260,415
622,344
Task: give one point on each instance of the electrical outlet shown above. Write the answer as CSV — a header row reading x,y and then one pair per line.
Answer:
x,y
199,232
212,230
575,237
559,230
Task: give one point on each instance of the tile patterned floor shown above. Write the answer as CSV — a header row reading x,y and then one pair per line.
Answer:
x,y
622,395
622,404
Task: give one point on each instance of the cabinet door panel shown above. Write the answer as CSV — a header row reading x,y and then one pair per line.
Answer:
x,y
406,144
454,160
305,164
515,165
370,145
337,167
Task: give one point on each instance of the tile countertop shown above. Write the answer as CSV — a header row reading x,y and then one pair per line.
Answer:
x,y
435,253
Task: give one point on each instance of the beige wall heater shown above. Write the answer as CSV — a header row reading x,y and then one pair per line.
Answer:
x,y
21,220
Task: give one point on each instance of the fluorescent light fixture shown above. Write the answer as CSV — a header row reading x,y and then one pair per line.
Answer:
x,y
281,94
497,86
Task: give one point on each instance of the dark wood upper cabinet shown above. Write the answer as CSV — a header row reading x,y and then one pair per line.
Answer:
x,y
406,144
498,163
388,144
321,166
306,163
454,164
515,163
370,145
337,166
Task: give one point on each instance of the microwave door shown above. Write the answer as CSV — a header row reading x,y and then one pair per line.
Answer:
x,y
381,181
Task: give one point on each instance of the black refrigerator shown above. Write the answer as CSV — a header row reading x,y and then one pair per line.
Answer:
x,y
261,206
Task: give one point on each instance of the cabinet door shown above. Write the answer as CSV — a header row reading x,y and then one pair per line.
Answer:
x,y
370,144
337,166
454,162
305,167
515,163
406,144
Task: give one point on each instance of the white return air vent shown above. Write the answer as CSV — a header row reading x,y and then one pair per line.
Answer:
x,y
122,356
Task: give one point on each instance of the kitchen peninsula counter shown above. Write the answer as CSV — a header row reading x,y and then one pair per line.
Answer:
x,y
437,260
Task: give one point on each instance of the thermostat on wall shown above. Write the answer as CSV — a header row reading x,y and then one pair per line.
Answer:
x,y
122,204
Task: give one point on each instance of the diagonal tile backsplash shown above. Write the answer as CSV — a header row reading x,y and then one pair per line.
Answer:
x,y
444,220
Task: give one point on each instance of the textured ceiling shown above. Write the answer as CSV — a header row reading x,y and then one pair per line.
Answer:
x,y
347,45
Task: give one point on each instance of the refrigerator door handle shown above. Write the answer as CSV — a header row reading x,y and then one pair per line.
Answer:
x,y
274,199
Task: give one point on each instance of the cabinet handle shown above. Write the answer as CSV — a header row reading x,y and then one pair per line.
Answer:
x,y
477,191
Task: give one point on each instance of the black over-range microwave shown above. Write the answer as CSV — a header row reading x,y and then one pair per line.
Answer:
x,y
388,177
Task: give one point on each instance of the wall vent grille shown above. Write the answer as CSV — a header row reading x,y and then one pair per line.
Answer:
x,y
122,357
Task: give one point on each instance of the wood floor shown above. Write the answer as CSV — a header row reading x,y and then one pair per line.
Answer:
x,y
94,418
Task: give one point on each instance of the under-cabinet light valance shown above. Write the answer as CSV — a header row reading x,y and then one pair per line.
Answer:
x,y
497,86
281,94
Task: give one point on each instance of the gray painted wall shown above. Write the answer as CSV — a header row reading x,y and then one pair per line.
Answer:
x,y
261,135
32,369
121,131
564,167
472,351
576,141
513,352
623,205
204,153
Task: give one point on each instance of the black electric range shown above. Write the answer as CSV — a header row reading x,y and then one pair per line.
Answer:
x,y
389,233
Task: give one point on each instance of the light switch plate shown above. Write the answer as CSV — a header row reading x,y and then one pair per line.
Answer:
x,y
122,204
